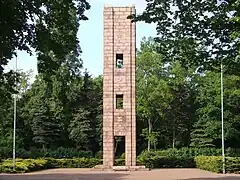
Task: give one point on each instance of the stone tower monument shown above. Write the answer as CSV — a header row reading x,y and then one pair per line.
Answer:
x,y
119,106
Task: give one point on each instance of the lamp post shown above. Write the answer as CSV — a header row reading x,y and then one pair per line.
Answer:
x,y
14,122
223,149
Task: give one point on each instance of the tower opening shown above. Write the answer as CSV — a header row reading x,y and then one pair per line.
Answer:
x,y
119,61
119,101
119,150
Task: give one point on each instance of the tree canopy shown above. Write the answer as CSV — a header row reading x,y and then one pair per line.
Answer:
x,y
47,27
196,33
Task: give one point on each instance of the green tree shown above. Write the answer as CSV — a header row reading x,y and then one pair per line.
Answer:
x,y
45,126
153,92
45,130
181,112
39,25
88,98
80,129
195,32
98,111
166,94
199,136
209,112
6,112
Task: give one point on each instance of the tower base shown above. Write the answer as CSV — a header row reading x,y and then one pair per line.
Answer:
x,y
120,168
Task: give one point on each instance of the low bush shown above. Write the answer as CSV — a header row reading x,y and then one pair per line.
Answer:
x,y
27,165
166,162
233,164
40,153
205,158
5,152
214,163
209,163
75,162
119,162
193,152
149,159
23,165
99,155
74,153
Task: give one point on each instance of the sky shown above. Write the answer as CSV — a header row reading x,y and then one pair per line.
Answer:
x,y
91,37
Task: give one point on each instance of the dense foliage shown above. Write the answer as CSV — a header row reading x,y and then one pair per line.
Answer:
x,y
181,108
48,27
196,32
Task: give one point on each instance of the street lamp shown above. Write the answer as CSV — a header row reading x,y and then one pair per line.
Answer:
x,y
14,121
223,150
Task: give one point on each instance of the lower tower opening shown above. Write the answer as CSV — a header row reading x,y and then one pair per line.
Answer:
x,y
119,151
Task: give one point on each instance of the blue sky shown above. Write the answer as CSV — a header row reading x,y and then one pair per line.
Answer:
x,y
91,37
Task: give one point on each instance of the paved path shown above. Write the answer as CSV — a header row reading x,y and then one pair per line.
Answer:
x,y
86,174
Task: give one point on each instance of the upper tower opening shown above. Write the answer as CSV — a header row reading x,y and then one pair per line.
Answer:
x,y
119,61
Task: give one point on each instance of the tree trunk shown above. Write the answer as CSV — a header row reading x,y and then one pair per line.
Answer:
x,y
174,134
149,133
155,146
43,147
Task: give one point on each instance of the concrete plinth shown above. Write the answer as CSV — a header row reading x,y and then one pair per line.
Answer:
x,y
120,168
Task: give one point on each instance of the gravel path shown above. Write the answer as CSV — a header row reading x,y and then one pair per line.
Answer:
x,y
87,174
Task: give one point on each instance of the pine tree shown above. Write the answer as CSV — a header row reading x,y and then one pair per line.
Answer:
x,y
80,129
45,129
199,136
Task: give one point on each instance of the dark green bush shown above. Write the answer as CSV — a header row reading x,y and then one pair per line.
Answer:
x,y
119,162
99,155
166,162
189,152
184,157
192,152
5,152
76,163
233,164
65,153
36,153
73,153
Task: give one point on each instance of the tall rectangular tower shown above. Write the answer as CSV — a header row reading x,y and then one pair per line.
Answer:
x,y
119,84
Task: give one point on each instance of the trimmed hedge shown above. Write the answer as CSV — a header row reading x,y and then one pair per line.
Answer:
x,y
150,160
40,153
74,163
193,152
209,163
233,164
187,160
27,165
74,153
166,162
214,164
23,165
